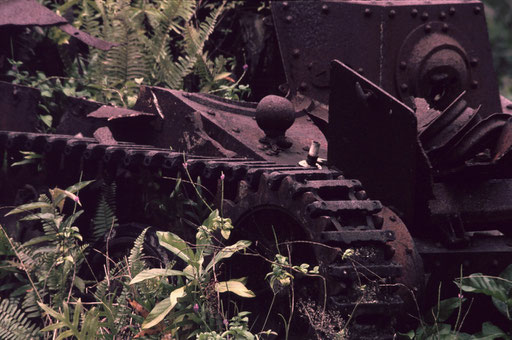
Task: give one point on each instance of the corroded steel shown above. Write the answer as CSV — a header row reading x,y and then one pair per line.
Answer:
x,y
32,13
409,48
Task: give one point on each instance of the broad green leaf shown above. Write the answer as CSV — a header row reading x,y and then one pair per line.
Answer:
x,y
58,196
236,287
176,245
479,283
38,216
76,313
53,327
164,307
50,311
46,119
507,273
225,233
490,332
65,334
403,336
211,219
79,283
28,207
496,287
158,313
23,162
78,186
444,309
221,76
38,239
155,272
227,252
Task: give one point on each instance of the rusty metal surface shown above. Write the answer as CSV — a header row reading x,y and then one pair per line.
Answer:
x,y
412,275
489,253
477,204
228,126
87,38
27,12
18,105
374,138
408,48
32,13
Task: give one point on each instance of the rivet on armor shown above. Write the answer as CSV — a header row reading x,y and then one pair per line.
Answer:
x,y
361,195
403,65
285,5
424,16
414,13
367,12
474,84
288,19
360,70
477,10
452,11
392,13
404,87
303,86
445,28
428,28
442,15
474,62
296,52
325,9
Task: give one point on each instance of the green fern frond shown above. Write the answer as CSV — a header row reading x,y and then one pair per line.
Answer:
x,y
105,217
14,324
29,304
136,253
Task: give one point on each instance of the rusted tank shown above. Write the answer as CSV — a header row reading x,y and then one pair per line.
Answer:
x,y
397,96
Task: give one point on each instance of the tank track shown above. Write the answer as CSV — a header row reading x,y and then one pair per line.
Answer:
x,y
333,211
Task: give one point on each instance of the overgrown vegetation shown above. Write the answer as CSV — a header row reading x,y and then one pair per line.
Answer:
x,y
45,293
157,42
499,21
48,288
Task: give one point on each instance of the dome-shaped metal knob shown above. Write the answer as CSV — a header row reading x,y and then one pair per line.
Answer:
x,y
275,115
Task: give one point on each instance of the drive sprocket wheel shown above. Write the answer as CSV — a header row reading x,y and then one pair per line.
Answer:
x,y
315,217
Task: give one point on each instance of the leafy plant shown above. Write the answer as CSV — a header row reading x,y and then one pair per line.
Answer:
x,y
78,327
196,277
499,288
160,42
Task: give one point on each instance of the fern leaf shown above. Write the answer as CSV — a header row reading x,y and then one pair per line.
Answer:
x,y
136,253
105,217
14,324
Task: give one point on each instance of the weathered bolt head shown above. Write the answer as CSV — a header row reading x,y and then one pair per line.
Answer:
x,y
275,115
